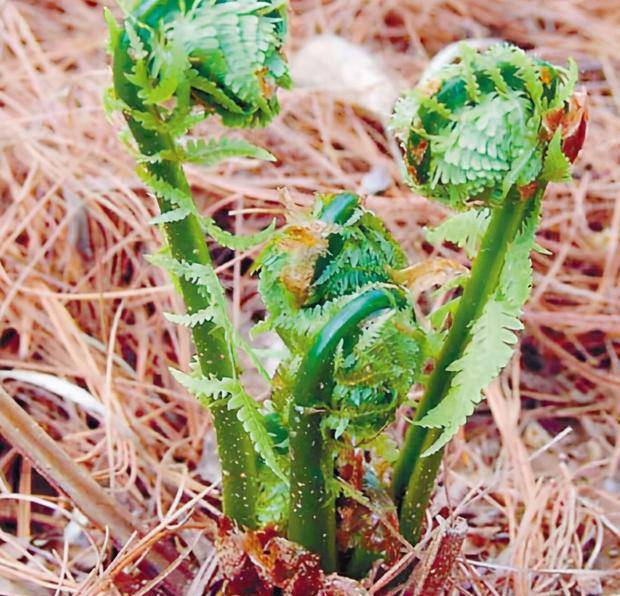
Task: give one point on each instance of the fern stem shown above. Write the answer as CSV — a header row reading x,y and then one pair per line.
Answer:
x,y
414,476
312,510
187,243
340,209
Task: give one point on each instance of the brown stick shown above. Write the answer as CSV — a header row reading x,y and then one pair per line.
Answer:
x,y
75,482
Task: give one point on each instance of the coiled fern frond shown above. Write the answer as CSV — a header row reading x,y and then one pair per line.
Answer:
x,y
308,272
486,133
487,122
176,62
224,56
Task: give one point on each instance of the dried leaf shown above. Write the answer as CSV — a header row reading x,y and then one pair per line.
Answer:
x,y
259,562
368,518
428,273
305,245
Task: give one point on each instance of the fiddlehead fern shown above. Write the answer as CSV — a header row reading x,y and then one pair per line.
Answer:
x,y
308,272
487,123
490,130
176,62
312,510
354,345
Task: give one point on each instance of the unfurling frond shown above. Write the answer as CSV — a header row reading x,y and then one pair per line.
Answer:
x,y
484,124
223,56
308,273
176,62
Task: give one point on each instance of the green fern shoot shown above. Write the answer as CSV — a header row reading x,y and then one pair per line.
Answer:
x,y
354,350
485,134
174,64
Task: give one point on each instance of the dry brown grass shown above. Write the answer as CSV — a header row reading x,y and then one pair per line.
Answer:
x,y
537,478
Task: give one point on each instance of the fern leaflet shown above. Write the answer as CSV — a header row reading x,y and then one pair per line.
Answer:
x,y
234,241
556,167
464,229
191,320
211,390
254,424
198,151
208,390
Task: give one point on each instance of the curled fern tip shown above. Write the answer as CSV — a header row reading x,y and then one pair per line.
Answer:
x,y
223,56
486,122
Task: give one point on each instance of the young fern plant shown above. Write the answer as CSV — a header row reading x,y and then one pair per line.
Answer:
x,y
484,135
326,278
176,62
354,346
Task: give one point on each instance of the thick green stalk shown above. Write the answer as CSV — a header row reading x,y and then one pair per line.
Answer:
x,y
420,488
414,476
187,243
312,510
